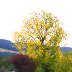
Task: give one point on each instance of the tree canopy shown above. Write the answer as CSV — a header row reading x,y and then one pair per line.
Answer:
x,y
41,35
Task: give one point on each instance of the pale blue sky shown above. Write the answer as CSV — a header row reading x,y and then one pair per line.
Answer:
x,y
12,13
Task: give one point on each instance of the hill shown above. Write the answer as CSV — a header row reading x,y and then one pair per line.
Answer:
x,y
66,49
7,48
6,44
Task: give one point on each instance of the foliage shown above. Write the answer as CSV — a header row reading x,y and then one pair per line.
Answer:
x,y
23,63
64,66
67,63
68,54
40,38
39,69
6,65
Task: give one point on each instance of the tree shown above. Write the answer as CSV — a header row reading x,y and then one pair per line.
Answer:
x,y
40,36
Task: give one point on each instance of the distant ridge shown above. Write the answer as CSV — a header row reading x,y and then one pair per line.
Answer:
x,y
7,48
6,44
66,49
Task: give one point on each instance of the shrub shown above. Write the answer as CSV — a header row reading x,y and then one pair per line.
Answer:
x,y
23,63
4,64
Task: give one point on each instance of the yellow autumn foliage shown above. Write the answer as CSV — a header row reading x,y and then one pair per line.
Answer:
x,y
41,34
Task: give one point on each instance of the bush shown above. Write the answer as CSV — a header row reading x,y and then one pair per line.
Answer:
x,y
23,63
4,64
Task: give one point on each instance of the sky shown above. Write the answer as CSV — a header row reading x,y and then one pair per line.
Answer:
x,y
12,13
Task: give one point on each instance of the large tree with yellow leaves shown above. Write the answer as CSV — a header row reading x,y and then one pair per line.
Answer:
x,y
40,32
40,36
